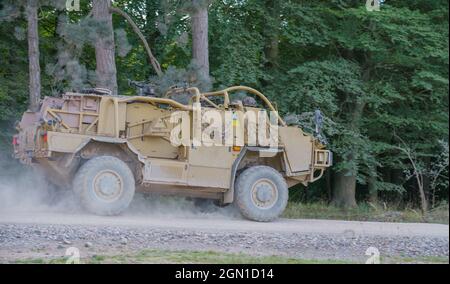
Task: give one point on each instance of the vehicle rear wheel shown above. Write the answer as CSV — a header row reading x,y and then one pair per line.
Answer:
x,y
105,185
261,194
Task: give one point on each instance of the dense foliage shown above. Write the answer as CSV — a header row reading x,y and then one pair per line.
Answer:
x,y
380,77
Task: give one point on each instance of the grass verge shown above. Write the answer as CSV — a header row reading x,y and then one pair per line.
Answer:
x,y
366,212
210,257
183,257
418,260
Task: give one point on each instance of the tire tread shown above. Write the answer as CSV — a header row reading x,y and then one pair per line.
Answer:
x,y
241,187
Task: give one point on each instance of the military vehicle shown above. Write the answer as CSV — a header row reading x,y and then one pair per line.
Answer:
x,y
107,147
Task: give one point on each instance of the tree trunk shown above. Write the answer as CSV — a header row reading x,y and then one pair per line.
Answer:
x,y
427,182
344,190
345,181
272,33
328,185
373,192
33,55
105,48
200,46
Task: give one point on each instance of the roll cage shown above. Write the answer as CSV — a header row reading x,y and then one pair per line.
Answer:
x,y
199,97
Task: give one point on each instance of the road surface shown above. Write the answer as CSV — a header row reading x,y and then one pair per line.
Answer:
x,y
233,224
25,235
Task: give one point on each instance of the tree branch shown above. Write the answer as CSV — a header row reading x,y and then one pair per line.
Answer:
x,y
417,173
153,60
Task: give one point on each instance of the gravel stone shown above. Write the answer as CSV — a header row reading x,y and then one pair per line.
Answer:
x,y
38,239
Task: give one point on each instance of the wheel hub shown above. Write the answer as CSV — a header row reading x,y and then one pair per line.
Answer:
x,y
264,194
108,185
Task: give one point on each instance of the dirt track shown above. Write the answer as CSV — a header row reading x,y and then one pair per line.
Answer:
x,y
214,223
47,234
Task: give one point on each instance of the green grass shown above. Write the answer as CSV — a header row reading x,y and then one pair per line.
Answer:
x,y
210,257
366,212
419,260
184,257
41,261
31,261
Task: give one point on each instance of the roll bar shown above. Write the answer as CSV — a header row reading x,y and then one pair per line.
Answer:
x,y
197,97
226,94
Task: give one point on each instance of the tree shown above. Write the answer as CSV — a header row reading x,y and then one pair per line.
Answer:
x,y
33,54
153,60
272,32
200,43
439,172
104,47
34,70
373,74
417,173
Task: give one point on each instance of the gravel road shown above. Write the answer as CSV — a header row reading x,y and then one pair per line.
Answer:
x,y
36,224
26,235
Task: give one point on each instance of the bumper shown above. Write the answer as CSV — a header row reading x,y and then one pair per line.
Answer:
x,y
323,159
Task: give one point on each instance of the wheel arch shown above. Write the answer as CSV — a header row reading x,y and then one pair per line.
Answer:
x,y
246,158
119,148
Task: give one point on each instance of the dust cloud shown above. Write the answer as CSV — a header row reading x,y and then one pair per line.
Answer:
x,y
24,190
169,207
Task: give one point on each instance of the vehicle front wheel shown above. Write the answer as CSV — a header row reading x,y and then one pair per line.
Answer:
x,y
261,193
105,185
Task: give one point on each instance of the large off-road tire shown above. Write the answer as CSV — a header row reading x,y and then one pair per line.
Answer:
x,y
261,194
105,185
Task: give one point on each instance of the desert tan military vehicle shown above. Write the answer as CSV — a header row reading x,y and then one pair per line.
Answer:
x,y
107,147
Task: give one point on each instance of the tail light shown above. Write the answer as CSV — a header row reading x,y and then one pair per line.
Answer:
x,y
15,140
237,148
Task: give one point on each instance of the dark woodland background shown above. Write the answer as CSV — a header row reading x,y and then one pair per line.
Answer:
x,y
380,77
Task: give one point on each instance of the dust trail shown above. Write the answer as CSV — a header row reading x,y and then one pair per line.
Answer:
x,y
169,207
23,190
